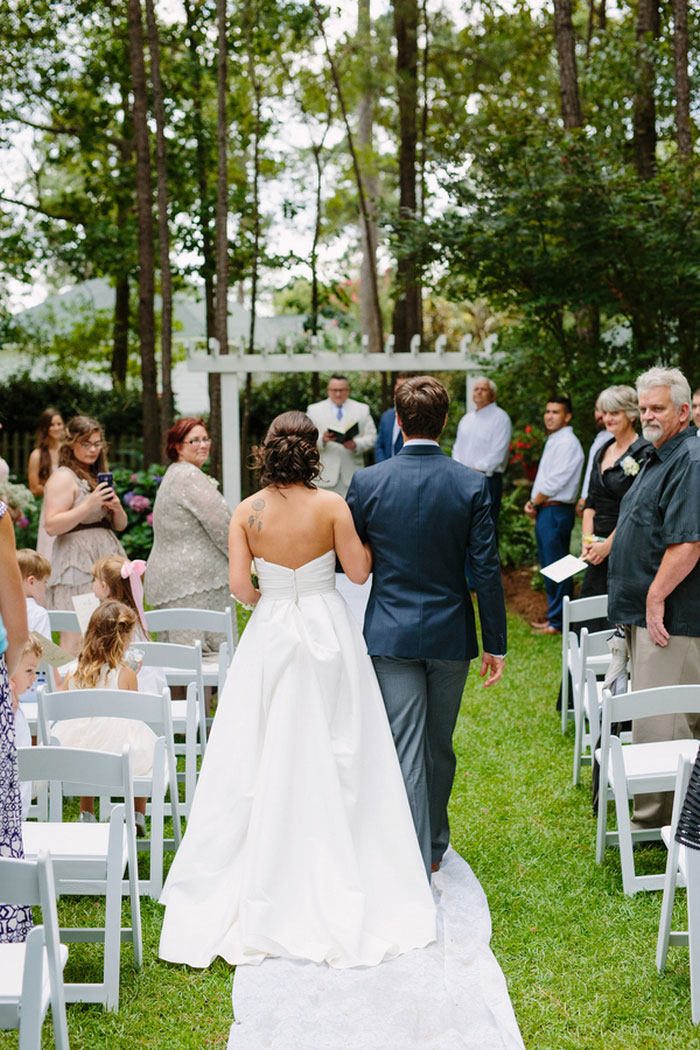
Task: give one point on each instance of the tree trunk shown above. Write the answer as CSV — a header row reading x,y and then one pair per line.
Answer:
x,y
680,73
166,283
566,57
125,203
221,302
364,210
208,268
368,231
120,344
408,319
144,206
644,116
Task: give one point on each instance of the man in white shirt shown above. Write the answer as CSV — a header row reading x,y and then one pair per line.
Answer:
x,y
553,501
695,409
335,416
483,440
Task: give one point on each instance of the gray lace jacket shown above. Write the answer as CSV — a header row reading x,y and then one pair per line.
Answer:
x,y
190,527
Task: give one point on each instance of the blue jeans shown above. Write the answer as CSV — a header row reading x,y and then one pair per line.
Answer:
x,y
553,536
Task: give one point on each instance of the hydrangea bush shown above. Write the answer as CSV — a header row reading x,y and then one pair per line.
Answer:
x,y
137,491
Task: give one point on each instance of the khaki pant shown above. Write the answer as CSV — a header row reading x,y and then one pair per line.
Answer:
x,y
678,663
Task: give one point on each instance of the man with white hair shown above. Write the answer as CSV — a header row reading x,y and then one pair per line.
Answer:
x,y
654,572
483,440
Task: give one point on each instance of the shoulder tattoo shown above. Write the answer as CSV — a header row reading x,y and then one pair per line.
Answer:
x,y
257,506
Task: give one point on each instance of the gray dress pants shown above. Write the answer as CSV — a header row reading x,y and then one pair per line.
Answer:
x,y
422,700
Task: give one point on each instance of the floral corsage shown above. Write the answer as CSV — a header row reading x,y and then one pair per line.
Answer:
x,y
630,466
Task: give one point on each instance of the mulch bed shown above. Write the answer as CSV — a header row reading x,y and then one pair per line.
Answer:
x,y
520,597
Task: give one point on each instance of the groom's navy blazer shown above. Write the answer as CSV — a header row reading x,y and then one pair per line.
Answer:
x,y
422,514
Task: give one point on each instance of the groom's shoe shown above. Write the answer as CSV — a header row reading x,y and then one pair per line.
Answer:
x,y
435,866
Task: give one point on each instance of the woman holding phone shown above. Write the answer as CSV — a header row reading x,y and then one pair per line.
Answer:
x,y
82,512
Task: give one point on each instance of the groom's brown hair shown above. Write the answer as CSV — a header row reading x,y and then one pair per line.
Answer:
x,y
421,407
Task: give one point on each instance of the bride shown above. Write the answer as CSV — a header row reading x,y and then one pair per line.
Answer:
x,y
300,841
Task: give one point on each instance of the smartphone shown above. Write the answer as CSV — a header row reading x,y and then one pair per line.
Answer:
x,y
106,477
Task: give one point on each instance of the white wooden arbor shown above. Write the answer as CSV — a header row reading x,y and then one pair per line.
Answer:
x,y
232,365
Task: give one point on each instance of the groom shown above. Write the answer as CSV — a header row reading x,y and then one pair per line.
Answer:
x,y
422,514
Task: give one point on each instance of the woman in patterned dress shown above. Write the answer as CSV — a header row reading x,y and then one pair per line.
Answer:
x,y
15,921
83,514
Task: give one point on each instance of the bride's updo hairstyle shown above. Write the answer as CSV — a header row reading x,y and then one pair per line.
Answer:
x,y
289,453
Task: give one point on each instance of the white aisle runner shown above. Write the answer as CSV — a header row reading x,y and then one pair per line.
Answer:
x,y
449,996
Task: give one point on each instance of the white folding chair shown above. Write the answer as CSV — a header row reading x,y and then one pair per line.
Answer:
x,y
202,621
182,665
63,620
575,610
589,658
637,769
155,711
89,858
31,973
682,868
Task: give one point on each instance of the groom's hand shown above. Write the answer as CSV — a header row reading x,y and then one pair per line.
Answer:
x,y
492,664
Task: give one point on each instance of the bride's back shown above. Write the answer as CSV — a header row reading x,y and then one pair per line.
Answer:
x,y
290,525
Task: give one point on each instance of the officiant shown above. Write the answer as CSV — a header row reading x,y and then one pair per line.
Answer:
x,y
346,431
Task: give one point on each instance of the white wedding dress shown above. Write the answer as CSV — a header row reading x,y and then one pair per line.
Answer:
x,y
300,842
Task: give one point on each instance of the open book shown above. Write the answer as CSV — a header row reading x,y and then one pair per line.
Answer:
x,y
345,435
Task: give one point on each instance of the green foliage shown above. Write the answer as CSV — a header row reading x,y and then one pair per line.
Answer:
x,y
516,536
24,397
24,509
137,491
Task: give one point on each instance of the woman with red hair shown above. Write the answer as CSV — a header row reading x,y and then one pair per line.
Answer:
x,y
188,565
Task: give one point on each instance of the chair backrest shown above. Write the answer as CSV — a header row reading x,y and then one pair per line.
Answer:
x,y
595,644
213,621
576,610
154,710
87,772
168,654
642,703
63,620
32,882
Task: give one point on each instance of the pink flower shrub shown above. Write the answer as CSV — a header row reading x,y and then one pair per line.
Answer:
x,y
139,503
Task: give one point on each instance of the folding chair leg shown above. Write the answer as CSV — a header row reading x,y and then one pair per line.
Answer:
x,y
670,880
602,826
624,834
578,743
693,867
31,1017
564,691
113,921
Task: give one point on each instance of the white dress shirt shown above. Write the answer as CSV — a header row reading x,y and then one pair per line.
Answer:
x,y
601,437
483,439
560,467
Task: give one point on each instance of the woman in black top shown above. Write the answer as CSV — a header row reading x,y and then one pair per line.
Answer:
x,y
615,467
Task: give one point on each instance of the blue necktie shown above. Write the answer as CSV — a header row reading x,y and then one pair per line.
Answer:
x,y
339,413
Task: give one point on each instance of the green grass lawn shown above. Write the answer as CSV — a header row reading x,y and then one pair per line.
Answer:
x,y
577,954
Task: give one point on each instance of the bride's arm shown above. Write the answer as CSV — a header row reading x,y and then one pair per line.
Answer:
x,y
239,559
355,556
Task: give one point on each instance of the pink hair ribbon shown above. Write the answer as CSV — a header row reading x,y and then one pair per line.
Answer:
x,y
133,571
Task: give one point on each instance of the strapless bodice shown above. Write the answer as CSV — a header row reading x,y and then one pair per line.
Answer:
x,y
281,583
